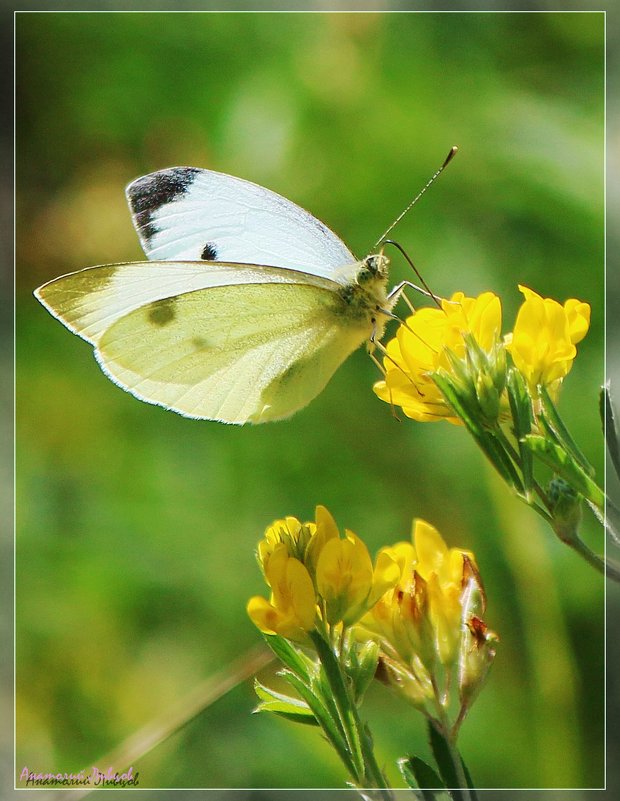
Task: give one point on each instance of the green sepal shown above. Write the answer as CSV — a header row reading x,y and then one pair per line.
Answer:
x,y
491,446
361,667
420,776
610,427
284,705
566,467
463,402
290,656
521,410
562,434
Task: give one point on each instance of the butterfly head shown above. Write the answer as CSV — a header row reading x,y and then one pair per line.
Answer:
x,y
374,267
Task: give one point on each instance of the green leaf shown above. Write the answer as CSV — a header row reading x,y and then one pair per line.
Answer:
x,y
290,656
341,698
331,727
332,671
320,687
445,762
443,758
610,427
284,705
470,784
553,419
565,466
418,775
307,719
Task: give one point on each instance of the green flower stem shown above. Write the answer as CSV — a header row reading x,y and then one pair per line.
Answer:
x,y
599,563
454,731
458,768
358,738
449,735
572,539
542,510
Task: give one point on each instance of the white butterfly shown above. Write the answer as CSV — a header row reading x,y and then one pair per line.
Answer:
x,y
247,305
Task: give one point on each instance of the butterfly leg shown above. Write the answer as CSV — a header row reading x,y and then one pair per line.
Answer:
x,y
372,343
396,291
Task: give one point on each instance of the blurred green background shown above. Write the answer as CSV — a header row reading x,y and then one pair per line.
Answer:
x,y
137,528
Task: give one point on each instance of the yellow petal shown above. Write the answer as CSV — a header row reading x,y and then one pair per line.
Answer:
x,y
264,616
386,575
578,314
324,530
303,599
429,546
325,523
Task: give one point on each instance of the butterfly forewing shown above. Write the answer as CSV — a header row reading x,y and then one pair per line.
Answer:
x,y
184,213
231,353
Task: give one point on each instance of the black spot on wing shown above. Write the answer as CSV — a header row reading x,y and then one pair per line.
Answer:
x,y
162,311
209,253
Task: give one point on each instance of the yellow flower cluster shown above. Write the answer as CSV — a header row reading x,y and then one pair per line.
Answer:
x,y
421,602
316,577
435,341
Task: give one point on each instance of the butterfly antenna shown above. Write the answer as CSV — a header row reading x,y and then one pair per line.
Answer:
x,y
449,158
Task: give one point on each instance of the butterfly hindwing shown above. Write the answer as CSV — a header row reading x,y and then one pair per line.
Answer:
x,y
242,353
188,214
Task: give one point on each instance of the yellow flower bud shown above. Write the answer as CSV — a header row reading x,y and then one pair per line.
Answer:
x,y
289,532
477,648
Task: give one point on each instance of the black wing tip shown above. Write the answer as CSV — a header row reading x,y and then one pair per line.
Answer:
x,y
150,192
